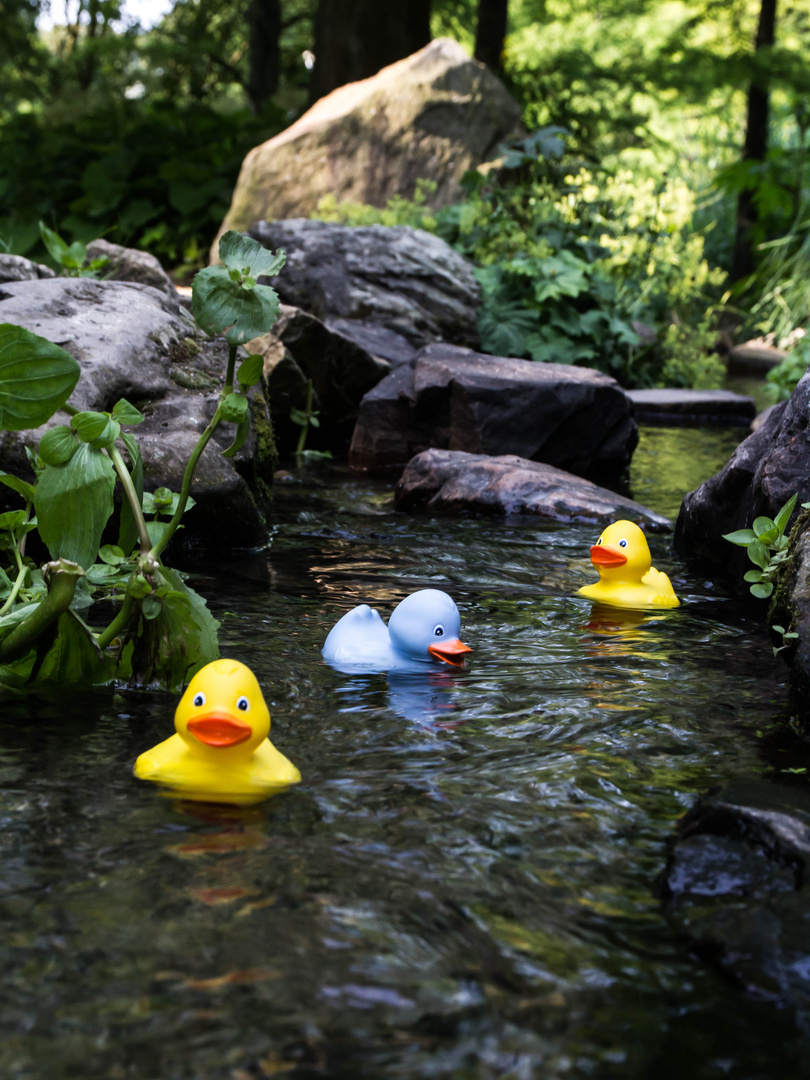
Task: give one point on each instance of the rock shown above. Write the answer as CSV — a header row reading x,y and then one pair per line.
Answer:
x,y
129,264
758,479
375,339
431,116
405,280
301,347
455,399
132,342
454,482
18,268
753,358
790,609
675,406
734,887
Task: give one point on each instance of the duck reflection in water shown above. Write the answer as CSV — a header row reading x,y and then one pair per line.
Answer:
x,y
620,630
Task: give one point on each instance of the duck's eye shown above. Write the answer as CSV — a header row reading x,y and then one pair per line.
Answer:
x,y
599,541
622,543
243,704
438,631
199,699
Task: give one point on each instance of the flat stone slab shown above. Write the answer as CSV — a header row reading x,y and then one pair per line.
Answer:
x,y
452,398
675,406
455,482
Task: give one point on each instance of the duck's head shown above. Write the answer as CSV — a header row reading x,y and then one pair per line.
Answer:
x,y
426,625
621,552
223,710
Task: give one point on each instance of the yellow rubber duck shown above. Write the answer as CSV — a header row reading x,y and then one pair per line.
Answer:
x,y
626,578
220,752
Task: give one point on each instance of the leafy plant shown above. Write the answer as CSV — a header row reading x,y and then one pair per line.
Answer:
x,y
767,548
72,259
162,630
306,418
781,380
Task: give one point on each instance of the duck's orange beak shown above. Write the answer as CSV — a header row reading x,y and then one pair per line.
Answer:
x,y
219,730
603,555
450,652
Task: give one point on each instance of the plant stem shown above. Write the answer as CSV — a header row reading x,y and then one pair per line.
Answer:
x,y
132,496
18,582
302,438
188,475
119,622
61,587
228,387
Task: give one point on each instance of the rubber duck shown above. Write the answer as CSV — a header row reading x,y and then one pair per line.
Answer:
x,y
422,632
220,751
626,578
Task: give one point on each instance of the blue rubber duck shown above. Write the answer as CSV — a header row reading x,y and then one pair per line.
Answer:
x,y
422,633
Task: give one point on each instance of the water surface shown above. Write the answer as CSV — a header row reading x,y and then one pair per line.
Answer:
x,y
463,886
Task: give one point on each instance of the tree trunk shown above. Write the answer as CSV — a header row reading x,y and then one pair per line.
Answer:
x,y
264,30
490,33
353,39
755,147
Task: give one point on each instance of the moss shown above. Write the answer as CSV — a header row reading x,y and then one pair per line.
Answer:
x,y
266,459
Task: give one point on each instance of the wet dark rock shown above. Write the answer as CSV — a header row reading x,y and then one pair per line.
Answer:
x,y
675,406
129,264
455,482
735,888
301,347
134,343
18,268
405,280
455,399
375,339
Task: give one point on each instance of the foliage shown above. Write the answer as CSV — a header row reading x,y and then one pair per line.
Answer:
x,y
767,548
781,380
162,631
70,258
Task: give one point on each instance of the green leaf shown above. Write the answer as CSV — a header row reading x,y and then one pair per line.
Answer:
x,y
753,575
36,378
111,554
89,425
20,486
783,516
242,433
247,255
73,502
151,606
298,416
778,629
763,525
742,537
758,554
250,370
70,657
58,445
127,414
763,591
234,408
56,246
108,435
179,640
128,529
156,529
223,306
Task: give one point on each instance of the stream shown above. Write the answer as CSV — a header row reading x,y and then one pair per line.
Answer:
x,y
463,885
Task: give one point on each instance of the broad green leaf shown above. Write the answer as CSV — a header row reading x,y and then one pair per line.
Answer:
x,y
239,438
36,378
758,554
104,574
73,503
20,486
128,529
12,520
180,640
58,445
57,248
156,529
753,575
127,414
763,525
243,253
108,435
234,408
89,425
742,537
250,371
70,657
762,591
223,306
151,606
111,554
783,516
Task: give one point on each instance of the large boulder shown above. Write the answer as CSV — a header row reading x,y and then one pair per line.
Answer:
x,y
432,116
300,348
758,479
134,343
405,281
453,482
130,264
18,268
451,398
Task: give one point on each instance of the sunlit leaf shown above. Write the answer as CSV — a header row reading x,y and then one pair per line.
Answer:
x,y
73,502
127,414
243,253
742,537
223,306
36,378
